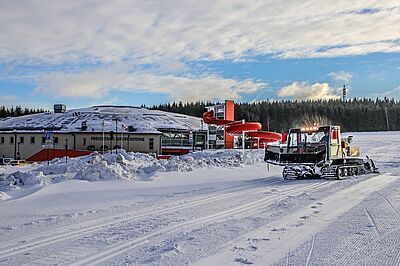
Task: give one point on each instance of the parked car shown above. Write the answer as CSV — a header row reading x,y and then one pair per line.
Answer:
x,y
18,162
5,161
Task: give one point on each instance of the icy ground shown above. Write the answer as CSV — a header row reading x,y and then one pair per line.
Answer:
x,y
214,208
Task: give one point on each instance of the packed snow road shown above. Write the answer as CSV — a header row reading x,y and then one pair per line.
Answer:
x,y
216,215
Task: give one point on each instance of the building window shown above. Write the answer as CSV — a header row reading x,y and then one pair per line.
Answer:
x,y
32,140
21,140
55,140
91,148
2,140
11,140
84,142
43,140
176,139
151,144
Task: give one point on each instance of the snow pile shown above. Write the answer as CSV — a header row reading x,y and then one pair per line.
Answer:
x,y
99,168
3,196
205,159
141,166
19,178
124,165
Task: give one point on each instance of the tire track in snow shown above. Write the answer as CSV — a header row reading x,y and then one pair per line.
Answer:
x,y
372,221
120,248
287,258
358,252
362,251
384,154
73,231
376,254
311,251
390,204
335,205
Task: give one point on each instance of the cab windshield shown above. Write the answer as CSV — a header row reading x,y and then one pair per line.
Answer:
x,y
307,138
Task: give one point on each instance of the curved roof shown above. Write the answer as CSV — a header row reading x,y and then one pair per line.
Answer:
x,y
142,120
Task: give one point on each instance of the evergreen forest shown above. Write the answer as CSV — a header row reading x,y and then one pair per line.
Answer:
x,y
352,115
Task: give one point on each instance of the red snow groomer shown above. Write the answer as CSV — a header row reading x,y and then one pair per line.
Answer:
x,y
318,152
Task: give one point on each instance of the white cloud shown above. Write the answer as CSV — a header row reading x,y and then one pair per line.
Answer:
x,y
394,93
97,84
166,37
341,76
152,31
305,91
9,100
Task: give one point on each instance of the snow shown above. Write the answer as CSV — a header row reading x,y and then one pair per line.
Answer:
x,y
122,165
205,208
143,120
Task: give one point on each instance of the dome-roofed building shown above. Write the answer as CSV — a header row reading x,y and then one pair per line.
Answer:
x,y
100,128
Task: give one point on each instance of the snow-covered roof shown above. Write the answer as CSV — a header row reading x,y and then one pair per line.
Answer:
x,y
141,119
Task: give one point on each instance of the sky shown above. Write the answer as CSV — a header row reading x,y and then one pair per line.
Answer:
x,y
83,53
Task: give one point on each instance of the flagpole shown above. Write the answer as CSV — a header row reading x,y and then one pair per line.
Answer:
x,y
122,137
103,135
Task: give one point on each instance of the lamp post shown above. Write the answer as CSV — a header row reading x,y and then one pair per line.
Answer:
x,y
18,153
66,151
103,135
122,137
116,134
111,140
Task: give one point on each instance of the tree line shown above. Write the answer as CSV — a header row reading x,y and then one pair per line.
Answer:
x,y
352,115
18,111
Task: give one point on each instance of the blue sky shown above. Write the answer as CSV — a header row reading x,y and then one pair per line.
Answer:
x,y
133,52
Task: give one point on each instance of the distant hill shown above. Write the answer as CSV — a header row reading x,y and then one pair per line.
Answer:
x,y
352,115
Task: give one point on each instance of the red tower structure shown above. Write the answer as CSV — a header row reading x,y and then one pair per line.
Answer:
x,y
230,116
222,125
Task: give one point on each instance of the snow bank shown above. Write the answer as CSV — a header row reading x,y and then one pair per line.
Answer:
x,y
124,165
99,168
3,196
19,178
205,159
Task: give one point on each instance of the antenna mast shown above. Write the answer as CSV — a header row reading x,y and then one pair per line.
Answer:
x,y
344,93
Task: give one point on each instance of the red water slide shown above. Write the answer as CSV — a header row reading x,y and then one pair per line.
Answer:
x,y
251,129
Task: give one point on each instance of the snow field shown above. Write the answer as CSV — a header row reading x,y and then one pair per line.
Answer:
x,y
369,235
206,209
312,219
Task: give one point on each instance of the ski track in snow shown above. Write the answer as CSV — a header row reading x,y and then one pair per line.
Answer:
x,y
76,233
73,231
266,221
304,218
237,210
